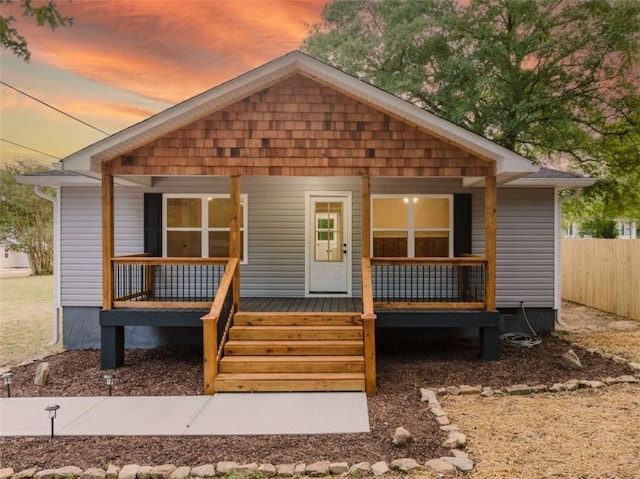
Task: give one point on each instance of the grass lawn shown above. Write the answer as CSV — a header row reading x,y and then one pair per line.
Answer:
x,y
26,309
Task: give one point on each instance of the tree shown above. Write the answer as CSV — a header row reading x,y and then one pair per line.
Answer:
x,y
44,15
599,228
544,78
27,217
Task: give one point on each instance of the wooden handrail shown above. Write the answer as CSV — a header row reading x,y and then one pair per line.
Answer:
x,y
457,261
368,329
154,260
210,327
223,288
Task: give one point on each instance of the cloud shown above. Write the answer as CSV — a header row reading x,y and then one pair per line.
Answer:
x,y
170,50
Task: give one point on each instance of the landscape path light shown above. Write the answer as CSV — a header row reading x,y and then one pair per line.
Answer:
x,y
6,378
109,380
52,409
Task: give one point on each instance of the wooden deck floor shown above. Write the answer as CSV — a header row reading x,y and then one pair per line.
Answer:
x,y
346,305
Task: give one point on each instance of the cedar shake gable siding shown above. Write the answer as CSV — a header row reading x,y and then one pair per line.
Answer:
x,y
299,127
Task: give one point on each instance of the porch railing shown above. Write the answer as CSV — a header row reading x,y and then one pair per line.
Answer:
x,y
216,325
141,281
369,329
438,283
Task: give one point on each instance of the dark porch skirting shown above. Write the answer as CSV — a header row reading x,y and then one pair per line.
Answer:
x,y
113,322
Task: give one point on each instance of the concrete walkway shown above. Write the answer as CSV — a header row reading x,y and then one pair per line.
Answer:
x,y
218,415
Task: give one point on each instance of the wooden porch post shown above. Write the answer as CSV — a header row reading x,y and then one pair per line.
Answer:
x,y
234,235
365,230
107,236
368,314
490,233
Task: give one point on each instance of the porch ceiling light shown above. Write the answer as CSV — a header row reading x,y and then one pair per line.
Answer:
x,y
52,409
108,378
6,379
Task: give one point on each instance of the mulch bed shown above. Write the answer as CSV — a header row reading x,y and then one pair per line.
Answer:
x,y
403,368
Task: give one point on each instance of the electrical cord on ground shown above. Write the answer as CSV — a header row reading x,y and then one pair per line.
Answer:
x,y
522,340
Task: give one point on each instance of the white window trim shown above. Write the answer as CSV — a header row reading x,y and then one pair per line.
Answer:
x,y
411,229
204,253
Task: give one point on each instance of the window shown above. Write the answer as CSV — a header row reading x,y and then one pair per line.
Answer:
x,y
412,226
198,226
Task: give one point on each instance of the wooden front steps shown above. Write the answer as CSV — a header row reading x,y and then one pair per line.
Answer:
x,y
293,352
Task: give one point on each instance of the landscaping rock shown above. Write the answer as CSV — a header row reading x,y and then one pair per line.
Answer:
x,y
225,467
518,389
299,469
93,473
27,473
468,390
462,463
360,468
285,470
337,468
453,390
449,428
45,474
592,384
68,472
635,366
402,437
455,440
459,453
428,395
162,472
6,472
442,420
144,472
540,388
267,470
439,466
112,472
405,464
570,360
438,412
627,378
318,469
486,392
204,471
442,391
130,471
181,472
42,374
557,387
571,385
379,468
620,360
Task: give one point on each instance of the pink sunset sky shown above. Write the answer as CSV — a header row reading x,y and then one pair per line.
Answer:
x,y
122,61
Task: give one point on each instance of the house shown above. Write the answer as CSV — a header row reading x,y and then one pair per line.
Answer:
x,y
9,257
289,216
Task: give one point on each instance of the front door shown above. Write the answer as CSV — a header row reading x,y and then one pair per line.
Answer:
x,y
328,251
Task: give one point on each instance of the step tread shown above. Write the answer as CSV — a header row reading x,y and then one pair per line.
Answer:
x,y
295,314
293,327
289,376
288,359
295,342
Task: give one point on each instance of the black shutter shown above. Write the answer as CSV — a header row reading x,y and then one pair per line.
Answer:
x,y
461,224
153,224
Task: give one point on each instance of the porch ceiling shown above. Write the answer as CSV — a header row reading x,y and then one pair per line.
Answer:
x,y
89,160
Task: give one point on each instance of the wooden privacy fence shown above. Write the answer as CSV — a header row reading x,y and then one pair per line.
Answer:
x,y
603,274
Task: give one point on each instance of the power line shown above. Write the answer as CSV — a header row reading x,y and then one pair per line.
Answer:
x,y
30,149
54,108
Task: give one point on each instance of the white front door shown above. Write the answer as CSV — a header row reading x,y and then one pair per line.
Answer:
x,y
329,249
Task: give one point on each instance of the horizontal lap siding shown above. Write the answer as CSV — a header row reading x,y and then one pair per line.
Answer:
x,y
81,240
525,250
